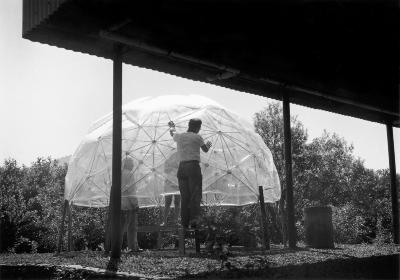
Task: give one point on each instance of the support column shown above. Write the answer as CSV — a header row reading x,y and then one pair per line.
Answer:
x,y
288,167
393,185
264,225
70,227
61,228
115,195
107,232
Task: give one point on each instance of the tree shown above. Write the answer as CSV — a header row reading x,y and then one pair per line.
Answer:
x,y
15,218
326,172
328,168
269,124
44,192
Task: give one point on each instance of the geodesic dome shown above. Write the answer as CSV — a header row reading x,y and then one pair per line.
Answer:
x,y
237,163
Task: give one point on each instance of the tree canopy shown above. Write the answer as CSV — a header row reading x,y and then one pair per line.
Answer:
x,y
326,172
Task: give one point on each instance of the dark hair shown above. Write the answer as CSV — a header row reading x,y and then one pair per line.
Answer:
x,y
194,125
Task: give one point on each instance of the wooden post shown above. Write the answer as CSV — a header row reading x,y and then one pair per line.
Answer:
x,y
182,232
159,240
264,227
61,231
288,167
159,235
115,195
69,227
197,240
273,215
393,185
107,233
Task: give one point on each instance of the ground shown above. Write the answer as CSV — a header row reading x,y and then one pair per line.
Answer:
x,y
345,261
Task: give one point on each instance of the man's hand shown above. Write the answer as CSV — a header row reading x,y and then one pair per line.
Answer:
x,y
206,146
171,124
171,128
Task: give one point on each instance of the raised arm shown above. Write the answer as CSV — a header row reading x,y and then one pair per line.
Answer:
x,y
206,146
172,129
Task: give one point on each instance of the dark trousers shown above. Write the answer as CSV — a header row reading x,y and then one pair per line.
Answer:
x,y
190,186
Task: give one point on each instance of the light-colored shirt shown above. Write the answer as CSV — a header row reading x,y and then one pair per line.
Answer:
x,y
188,145
171,169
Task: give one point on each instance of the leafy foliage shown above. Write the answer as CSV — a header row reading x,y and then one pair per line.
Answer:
x,y
326,172
31,204
15,217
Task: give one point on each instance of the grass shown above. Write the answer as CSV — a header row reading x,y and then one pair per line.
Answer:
x,y
168,263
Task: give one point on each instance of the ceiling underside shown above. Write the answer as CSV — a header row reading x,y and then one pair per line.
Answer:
x,y
338,56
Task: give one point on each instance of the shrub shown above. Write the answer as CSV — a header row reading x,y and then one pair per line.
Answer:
x,y
88,227
31,200
16,219
383,233
25,245
349,225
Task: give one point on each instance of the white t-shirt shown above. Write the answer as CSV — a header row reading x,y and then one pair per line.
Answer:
x,y
188,145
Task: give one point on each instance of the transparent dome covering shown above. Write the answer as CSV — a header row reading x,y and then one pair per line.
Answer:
x,y
237,163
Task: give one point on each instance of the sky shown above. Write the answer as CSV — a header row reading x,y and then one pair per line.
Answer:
x,y
49,97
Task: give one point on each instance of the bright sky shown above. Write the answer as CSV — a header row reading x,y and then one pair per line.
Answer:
x,y
49,97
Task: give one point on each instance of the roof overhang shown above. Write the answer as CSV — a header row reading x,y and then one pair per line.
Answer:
x,y
340,56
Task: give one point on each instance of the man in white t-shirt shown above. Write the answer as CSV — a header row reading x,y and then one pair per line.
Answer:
x,y
189,173
170,168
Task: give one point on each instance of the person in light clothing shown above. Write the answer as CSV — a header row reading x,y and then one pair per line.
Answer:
x,y
129,205
129,209
189,173
170,168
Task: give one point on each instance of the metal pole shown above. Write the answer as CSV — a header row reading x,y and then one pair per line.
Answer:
x,y
61,232
288,164
264,227
393,185
115,195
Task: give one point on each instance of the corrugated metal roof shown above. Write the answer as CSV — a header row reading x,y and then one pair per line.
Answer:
x,y
36,11
341,57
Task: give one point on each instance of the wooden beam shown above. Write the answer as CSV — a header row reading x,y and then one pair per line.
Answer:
x,y
61,229
197,240
181,233
159,240
115,195
393,184
288,167
264,227
70,227
107,232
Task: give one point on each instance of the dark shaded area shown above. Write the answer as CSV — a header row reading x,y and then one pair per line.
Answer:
x,y
8,232
377,267
54,273
348,50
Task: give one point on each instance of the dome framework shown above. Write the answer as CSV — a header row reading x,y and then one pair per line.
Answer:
x,y
237,163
